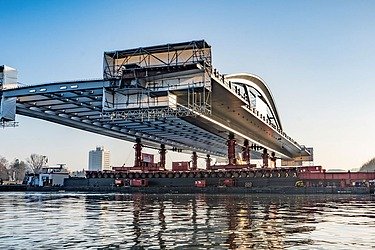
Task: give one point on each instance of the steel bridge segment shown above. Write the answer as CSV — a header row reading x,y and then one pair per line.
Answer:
x,y
151,138
200,107
259,84
233,114
80,106
54,102
57,88
215,123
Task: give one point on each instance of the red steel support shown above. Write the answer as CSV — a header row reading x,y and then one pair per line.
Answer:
x,y
265,158
138,153
162,152
246,152
208,162
194,161
231,149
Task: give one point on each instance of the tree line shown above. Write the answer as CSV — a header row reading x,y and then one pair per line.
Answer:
x,y
16,170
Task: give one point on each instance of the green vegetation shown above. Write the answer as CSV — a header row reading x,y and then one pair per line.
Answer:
x,y
368,166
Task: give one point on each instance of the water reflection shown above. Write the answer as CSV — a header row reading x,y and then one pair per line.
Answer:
x,y
138,221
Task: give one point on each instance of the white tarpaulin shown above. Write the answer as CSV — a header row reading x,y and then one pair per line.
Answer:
x,y
8,77
8,109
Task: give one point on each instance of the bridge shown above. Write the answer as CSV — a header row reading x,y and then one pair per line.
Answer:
x,y
165,97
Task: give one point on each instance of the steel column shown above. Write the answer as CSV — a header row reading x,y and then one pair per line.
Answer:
x,y
138,153
194,161
273,159
265,158
231,149
162,152
208,162
246,152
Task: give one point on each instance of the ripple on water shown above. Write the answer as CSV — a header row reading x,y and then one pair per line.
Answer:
x,y
120,221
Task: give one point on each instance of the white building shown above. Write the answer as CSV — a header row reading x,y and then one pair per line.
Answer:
x,y
99,159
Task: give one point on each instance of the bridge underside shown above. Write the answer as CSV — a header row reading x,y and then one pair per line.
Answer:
x,y
79,105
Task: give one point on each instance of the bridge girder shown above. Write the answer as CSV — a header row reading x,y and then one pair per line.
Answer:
x,y
182,104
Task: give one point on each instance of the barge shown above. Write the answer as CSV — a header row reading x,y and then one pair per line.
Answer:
x,y
186,177
290,180
150,177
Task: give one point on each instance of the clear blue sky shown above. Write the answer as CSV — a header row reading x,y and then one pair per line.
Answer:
x,y
318,58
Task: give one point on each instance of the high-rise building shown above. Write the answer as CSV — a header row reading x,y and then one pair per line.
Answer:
x,y
99,159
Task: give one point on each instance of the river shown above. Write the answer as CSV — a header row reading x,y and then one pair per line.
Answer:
x,y
140,221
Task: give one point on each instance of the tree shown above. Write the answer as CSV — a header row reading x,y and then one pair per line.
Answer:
x,y
4,174
368,166
37,162
17,170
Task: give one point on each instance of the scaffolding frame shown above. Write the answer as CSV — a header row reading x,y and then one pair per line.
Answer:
x,y
145,77
176,54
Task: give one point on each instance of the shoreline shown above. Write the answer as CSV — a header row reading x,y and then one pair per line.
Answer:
x,y
193,190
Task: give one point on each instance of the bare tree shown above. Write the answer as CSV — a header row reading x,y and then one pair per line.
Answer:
x,y
17,170
37,162
368,166
4,174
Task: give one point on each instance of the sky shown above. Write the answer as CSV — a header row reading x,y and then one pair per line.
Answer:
x,y
317,57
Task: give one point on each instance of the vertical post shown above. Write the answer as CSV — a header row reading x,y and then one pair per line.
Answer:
x,y
162,152
231,143
194,161
273,160
246,152
350,177
265,158
138,152
208,162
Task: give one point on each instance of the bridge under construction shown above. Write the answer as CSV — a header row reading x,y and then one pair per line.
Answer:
x,y
166,97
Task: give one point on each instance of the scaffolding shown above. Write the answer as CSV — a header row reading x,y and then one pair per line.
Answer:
x,y
8,79
158,81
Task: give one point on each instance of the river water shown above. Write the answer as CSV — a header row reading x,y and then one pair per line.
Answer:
x,y
139,221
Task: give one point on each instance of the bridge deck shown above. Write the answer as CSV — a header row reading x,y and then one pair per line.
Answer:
x,y
167,94
79,104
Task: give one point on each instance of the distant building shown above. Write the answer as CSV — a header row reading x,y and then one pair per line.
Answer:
x,y
99,159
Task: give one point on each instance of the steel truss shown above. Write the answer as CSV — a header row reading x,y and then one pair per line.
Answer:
x,y
156,56
152,114
159,81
